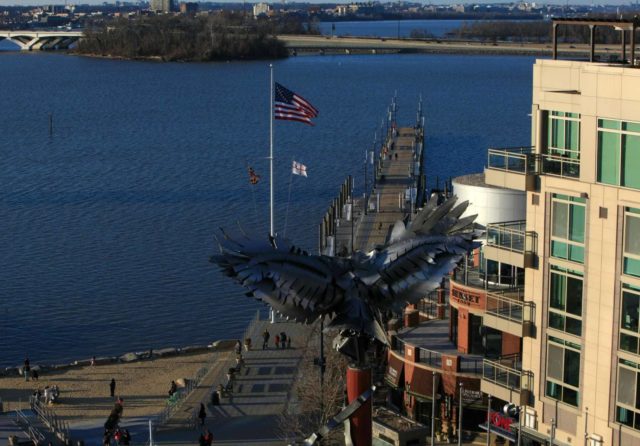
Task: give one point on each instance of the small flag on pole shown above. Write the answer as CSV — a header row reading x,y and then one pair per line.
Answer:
x,y
292,107
253,176
299,169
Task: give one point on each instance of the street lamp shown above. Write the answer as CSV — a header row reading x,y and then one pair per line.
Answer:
x,y
433,410
489,421
460,418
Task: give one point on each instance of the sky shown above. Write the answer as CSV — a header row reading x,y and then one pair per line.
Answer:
x,y
427,2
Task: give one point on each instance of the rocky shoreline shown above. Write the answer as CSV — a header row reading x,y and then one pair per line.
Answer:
x,y
224,344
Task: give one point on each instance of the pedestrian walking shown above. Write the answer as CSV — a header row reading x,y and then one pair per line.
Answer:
x,y
26,369
202,414
396,156
277,341
208,438
112,386
283,339
288,341
238,347
265,339
93,361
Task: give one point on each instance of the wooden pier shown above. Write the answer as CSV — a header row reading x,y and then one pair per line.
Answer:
x,y
361,223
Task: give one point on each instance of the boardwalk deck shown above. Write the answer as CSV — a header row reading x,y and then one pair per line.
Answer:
x,y
397,172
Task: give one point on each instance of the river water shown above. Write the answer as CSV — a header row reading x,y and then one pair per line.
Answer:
x,y
106,225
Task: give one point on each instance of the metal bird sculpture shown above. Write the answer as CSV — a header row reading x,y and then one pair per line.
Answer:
x,y
356,292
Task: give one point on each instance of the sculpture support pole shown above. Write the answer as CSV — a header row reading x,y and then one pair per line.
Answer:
x,y
358,382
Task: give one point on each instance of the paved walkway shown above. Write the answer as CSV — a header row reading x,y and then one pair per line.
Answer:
x,y
392,180
261,393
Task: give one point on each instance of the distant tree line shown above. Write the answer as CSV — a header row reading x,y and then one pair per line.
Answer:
x,y
223,36
533,31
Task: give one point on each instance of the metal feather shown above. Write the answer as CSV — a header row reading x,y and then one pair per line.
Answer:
x,y
358,290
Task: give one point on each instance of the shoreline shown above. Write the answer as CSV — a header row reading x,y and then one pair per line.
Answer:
x,y
306,45
124,358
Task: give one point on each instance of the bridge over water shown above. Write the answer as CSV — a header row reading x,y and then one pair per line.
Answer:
x,y
29,40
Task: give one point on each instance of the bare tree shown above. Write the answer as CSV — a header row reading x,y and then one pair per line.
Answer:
x,y
313,404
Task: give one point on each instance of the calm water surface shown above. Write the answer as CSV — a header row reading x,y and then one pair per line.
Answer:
x,y
106,226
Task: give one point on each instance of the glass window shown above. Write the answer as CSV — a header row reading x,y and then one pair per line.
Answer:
x,y
568,227
629,315
631,161
631,254
619,153
563,371
628,394
565,301
564,134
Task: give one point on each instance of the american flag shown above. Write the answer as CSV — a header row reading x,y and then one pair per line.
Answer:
x,y
292,107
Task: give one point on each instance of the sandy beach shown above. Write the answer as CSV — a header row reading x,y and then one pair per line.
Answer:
x,y
84,391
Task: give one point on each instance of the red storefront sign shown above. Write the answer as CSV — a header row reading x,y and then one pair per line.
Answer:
x,y
498,420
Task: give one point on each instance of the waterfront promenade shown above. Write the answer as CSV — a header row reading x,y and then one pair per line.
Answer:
x,y
260,394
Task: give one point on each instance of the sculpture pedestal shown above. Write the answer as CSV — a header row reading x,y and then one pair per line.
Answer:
x,y
358,382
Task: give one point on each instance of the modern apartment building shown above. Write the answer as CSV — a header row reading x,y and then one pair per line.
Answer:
x,y
581,350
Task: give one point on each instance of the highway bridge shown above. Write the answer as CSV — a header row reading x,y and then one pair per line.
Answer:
x,y
29,40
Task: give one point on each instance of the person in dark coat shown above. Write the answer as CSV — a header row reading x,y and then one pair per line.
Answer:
x,y
112,386
202,414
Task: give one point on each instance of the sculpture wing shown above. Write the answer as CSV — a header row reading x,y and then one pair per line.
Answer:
x,y
414,262
296,284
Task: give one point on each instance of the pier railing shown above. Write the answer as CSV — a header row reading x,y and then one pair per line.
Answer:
x,y
34,434
49,418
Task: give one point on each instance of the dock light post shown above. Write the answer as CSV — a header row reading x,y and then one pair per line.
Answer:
x,y
433,410
552,432
489,421
460,418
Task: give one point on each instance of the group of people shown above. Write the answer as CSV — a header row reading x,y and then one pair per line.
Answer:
x,y
49,395
111,428
280,341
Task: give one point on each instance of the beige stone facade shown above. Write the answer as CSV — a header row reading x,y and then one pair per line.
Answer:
x,y
577,281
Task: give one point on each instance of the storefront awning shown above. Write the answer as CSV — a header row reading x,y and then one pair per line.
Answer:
x,y
507,435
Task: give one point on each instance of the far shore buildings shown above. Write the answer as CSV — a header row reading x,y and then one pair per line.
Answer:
x,y
164,6
545,317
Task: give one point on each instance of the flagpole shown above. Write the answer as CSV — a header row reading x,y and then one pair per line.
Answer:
x,y
272,232
271,228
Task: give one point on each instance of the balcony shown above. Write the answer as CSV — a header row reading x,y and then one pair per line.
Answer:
x,y
561,166
507,312
433,348
517,168
511,168
510,243
504,379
